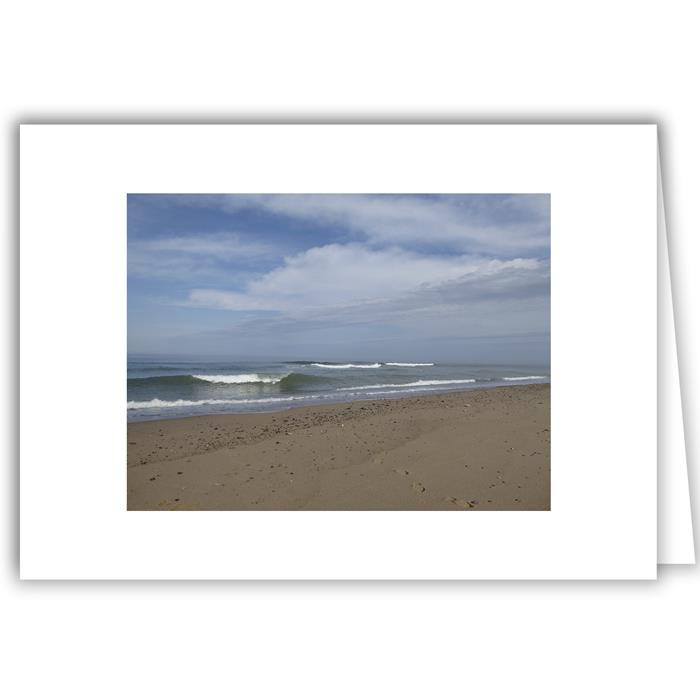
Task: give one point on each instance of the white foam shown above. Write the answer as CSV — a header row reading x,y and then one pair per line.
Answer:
x,y
420,382
398,392
410,364
394,391
239,378
520,379
158,403
374,365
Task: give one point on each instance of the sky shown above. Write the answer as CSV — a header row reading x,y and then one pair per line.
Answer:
x,y
380,277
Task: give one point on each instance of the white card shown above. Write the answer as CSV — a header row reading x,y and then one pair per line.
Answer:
x,y
603,187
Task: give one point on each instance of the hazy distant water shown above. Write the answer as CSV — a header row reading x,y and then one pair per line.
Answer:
x,y
167,389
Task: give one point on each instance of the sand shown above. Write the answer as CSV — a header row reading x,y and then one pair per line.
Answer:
x,y
468,450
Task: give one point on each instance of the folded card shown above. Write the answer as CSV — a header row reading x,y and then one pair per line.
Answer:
x,y
328,351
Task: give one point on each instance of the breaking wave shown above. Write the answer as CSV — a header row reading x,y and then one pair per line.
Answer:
x,y
288,381
420,382
181,403
409,364
374,365
240,378
520,379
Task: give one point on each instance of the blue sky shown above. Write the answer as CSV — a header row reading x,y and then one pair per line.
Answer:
x,y
405,277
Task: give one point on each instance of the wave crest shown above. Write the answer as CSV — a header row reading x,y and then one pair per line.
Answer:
x,y
159,403
410,364
420,382
520,379
374,365
240,378
183,379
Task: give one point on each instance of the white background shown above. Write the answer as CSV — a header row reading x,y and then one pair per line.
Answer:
x,y
214,61
73,240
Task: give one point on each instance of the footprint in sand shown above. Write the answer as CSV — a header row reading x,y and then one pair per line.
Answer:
x,y
418,487
460,503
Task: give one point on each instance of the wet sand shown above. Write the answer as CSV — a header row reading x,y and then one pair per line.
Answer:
x,y
469,450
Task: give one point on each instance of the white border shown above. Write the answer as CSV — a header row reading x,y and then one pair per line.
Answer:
x,y
73,185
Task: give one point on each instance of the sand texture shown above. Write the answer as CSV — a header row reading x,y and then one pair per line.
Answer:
x,y
468,450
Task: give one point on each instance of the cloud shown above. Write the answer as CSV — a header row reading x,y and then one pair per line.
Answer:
x,y
228,301
195,255
478,223
222,246
506,303
340,275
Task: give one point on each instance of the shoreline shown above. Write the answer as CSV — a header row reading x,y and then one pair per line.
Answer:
x,y
463,449
313,404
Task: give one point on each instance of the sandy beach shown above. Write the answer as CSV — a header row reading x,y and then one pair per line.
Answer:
x,y
470,450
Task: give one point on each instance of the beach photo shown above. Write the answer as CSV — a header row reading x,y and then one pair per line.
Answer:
x,y
338,352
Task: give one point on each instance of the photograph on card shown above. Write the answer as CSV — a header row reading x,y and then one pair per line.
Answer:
x,y
338,352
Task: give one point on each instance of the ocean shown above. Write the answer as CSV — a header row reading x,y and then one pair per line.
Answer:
x,y
158,388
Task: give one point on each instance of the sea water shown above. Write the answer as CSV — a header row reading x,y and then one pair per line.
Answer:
x,y
162,388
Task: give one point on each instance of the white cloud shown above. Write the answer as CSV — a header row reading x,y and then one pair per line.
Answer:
x,y
221,299
338,276
223,246
496,299
485,223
